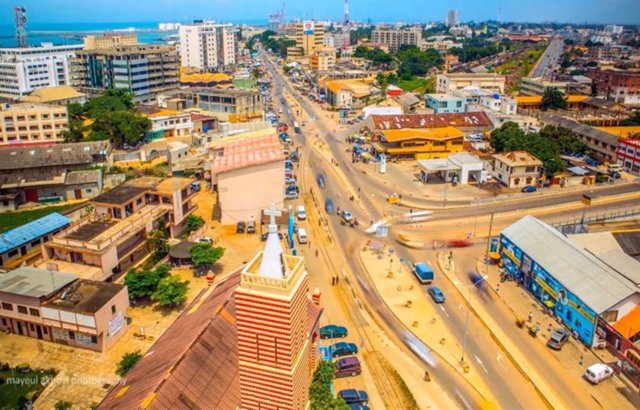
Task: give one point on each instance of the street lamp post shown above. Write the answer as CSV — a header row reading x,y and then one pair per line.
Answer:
x,y
466,320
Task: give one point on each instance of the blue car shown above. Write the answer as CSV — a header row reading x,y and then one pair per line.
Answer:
x,y
343,349
436,294
353,396
333,331
529,188
321,181
358,406
328,206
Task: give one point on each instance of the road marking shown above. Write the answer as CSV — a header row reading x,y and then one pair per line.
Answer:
x,y
499,360
444,310
464,401
481,364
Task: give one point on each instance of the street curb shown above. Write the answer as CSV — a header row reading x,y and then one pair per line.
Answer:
x,y
383,326
494,337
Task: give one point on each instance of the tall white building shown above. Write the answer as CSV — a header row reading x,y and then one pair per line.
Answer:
x,y
23,70
207,46
452,18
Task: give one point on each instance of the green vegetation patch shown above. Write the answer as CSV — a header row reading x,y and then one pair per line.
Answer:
x,y
10,220
17,386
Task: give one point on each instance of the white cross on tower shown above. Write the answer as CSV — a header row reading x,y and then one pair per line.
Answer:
x,y
272,213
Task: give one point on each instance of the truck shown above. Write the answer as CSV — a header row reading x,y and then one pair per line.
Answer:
x,y
423,272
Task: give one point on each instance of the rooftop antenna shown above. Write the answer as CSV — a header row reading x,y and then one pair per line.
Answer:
x,y
20,18
499,16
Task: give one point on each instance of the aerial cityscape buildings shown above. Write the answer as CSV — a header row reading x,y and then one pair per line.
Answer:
x,y
320,209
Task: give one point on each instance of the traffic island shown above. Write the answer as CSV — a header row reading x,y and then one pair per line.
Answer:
x,y
411,306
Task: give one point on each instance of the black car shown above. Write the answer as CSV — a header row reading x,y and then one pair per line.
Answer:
x,y
351,396
240,227
292,188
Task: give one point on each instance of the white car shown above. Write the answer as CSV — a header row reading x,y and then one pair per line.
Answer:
x,y
598,372
302,213
207,239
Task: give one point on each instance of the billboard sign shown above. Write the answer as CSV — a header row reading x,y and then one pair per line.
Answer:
x,y
307,27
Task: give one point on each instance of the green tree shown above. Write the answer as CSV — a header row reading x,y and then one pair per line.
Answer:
x,y
203,255
631,121
553,99
320,392
286,69
506,137
157,239
62,405
171,291
128,361
381,79
144,283
194,222
414,62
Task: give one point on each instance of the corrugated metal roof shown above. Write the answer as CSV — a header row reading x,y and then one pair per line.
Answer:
x,y
32,231
458,120
32,282
246,152
597,285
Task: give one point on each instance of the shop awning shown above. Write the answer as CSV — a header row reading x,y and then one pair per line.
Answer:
x,y
629,325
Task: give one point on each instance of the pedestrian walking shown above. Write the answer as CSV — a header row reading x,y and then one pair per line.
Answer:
x,y
333,280
337,279
498,288
530,316
316,253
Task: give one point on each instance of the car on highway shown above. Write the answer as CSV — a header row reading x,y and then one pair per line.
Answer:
x,y
354,396
436,294
459,243
529,188
321,181
333,331
240,227
345,216
558,338
328,205
343,349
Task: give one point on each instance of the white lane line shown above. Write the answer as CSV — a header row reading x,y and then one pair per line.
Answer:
x,y
444,310
481,364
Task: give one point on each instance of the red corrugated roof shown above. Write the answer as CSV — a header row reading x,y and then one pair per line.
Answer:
x,y
246,152
458,120
192,365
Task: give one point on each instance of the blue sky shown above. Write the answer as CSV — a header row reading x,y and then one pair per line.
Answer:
x,y
576,11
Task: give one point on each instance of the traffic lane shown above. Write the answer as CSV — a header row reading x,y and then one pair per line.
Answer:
x,y
504,379
535,201
542,359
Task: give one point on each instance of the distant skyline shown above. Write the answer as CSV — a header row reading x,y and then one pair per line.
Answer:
x,y
252,11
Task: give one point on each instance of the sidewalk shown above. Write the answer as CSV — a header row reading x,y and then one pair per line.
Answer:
x,y
519,303
411,306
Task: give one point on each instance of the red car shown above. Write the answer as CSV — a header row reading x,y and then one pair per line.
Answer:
x,y
459,243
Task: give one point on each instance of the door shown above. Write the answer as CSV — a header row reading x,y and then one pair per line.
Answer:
x,y
23,250
78,193
31,195
20,332
39,331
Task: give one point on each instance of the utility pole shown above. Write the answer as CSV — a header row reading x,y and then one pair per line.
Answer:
x,y
486,260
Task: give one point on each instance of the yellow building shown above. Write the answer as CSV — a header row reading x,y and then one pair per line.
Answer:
x,y
324,59
309,37
60,94
410,143
108,41
32,124
622,132
534,102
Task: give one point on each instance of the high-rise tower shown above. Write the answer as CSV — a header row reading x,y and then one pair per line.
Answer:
x,y
20,18
277,329
345,18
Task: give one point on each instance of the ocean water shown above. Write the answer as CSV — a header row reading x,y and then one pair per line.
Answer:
x,y
72,33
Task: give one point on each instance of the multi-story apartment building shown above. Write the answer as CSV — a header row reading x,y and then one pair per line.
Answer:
x,y
32,123
309,37
394,38
62,308
622,86
337,40
538,86
277,329
113,238
207,46
517,169
23,70
629,155
324,59
142,69
448,83
109,40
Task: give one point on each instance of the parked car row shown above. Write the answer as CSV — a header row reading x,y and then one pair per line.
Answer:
x,y
249,227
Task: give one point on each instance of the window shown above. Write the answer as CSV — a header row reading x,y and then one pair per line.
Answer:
x,y
94,340
34,312
72,336
22,309
7,306
113,309
36,242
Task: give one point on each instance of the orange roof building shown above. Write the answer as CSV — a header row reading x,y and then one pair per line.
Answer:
x,y
409,143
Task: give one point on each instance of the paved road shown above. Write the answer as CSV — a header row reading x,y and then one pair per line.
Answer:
x,y
449,378
549,60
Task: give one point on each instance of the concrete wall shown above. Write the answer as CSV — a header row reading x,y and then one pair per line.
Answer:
x,y
112,314
244,192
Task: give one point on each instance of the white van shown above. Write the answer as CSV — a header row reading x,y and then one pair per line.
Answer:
x,y
302,236
302,213
598,372
614,167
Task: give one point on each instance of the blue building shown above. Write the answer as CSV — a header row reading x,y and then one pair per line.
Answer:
x,y
19,241
446,104
569,281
